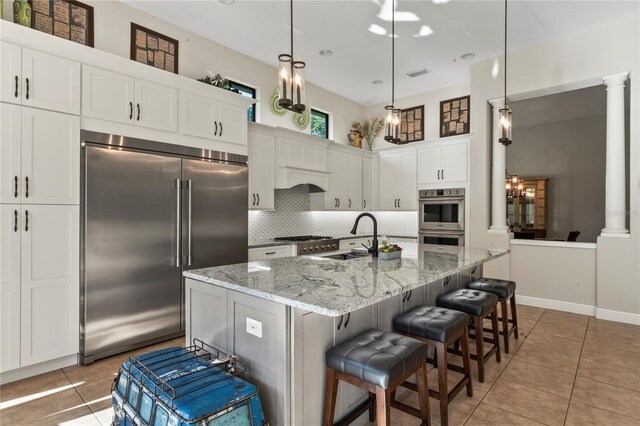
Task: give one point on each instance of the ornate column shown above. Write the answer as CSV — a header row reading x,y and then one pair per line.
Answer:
x,y
615,191
498,185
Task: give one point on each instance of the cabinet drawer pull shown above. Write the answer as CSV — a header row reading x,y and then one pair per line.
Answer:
x,y
26,220
258,195
270,252
15,221
27,88
335,202
410,294
364,204
404,296
446,280
138,117
130,110
346,323
438,174
16,93
349,202
15,187
254,199
221,128
215,130
340,322
26,192
442,174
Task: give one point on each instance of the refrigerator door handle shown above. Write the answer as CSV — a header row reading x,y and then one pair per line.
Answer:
x,y
178,258
189,186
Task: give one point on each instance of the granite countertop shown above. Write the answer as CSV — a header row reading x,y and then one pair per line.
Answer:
x,y
272,243
336,287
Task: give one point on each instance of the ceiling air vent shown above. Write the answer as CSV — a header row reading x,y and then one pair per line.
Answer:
x,y
418,73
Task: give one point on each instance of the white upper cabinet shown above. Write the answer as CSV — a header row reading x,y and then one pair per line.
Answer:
x,y
398,189
354,183
50,282
232,123
156,106
10,229
199,115
107,95
10,154
50,157
10,73
262,173
50,82
345,190
443,164
39,80
367,184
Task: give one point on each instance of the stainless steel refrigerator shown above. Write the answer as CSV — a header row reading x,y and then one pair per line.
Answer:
x,y
150,211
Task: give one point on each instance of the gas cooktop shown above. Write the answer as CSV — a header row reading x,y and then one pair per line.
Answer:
x,y
313,244
302,238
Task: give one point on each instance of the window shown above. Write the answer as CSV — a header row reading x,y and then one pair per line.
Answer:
x,y
134,391
122,384
161,417
247,91
145,407
319,124
238,416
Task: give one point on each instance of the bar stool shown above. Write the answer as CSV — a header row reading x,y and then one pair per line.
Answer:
x,y
505,290
378,361
439,328
479,305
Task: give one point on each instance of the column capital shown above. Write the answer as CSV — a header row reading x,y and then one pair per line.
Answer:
x,y
615,79
497,103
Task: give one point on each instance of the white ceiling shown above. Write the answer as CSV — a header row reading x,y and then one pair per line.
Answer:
x,y
260,29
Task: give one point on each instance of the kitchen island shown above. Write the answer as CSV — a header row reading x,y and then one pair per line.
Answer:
x,y
281,316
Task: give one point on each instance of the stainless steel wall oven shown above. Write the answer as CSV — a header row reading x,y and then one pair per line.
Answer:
x,y
441,216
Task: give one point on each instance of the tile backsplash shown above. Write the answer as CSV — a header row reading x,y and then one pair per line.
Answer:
x,y
292,217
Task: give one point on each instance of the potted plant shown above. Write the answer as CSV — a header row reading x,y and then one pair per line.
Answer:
x,y
369,129
217,81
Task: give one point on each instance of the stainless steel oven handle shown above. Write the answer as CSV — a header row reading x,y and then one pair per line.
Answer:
x,y
438,200
178,258
189,257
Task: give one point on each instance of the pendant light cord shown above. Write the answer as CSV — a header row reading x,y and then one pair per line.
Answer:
x,y
505,53
393,52
291,3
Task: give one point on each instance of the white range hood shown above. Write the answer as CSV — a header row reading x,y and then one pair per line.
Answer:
x,y
301,159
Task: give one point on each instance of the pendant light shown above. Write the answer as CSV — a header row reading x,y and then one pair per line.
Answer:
x,y
392,121
515,186
505,112
291,86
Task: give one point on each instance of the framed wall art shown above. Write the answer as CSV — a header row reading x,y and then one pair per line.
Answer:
x,y
455,116
154,49
68,19
412,124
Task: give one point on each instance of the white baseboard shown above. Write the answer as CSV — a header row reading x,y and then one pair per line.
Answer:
x,y
34,370
618,316
558,305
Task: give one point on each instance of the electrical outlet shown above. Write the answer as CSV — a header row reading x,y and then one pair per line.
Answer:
x,y
254,327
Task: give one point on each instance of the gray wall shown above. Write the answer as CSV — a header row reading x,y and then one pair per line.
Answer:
x,y
572,155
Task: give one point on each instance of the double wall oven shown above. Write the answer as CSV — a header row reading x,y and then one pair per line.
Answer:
x,y
441,216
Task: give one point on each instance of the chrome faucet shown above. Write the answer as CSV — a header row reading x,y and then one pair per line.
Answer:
x,y
374,248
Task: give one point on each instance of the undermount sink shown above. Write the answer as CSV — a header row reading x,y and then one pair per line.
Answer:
x,y
348,256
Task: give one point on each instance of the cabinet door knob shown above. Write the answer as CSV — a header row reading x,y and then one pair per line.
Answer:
x,y
16,93
26,220
215,131
27,88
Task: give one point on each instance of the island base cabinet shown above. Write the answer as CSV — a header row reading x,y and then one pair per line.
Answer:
x,y
253,329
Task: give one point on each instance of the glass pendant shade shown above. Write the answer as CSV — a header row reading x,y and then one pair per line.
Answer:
x,y
396,125
291,86
388,123
284,81
298,86
505,126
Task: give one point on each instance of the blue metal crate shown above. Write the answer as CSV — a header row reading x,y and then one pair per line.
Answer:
x,y
180,386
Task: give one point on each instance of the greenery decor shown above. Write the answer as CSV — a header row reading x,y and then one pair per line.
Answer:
x,y
216,80
369,129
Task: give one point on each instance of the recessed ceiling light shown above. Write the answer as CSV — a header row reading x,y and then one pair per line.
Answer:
x,y
376,82
377,29
325,52
469,55
227,2
440,1
425,30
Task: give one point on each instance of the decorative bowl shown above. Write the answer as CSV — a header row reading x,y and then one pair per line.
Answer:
x,y
389,256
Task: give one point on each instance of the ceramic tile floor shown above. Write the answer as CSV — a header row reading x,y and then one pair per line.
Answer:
x,y
564,369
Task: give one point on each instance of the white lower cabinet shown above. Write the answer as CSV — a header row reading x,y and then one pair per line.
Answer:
x,y
267,253
40,260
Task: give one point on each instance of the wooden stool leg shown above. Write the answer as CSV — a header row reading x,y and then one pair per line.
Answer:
x,y
477,321
505,324
372,409
443,392
423,393
514,315
466,361
383,406
330,394
496,332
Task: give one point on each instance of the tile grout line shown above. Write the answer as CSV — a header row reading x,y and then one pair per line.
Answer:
x,y
566,414
500,375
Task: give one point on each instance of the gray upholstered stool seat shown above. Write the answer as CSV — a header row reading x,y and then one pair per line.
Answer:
x,y
472,302
377,357
504,289
432,323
